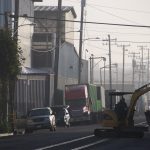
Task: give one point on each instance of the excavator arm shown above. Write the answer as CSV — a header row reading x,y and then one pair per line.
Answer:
x,y
135,96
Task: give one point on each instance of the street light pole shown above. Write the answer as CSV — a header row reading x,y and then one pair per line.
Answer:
x,y
107,66
104,59
92,66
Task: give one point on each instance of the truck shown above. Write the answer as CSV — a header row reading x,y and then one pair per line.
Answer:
x,y
84,101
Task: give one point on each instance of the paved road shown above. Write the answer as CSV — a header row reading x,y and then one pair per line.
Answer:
x,y
44,138
73,138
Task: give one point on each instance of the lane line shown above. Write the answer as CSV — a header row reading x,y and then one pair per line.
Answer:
x,y
141,123
75,140
91,144
67,142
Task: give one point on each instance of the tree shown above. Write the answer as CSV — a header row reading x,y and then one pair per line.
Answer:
x,y
10,66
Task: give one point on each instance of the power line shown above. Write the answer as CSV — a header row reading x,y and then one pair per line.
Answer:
x,y
90,22
113,14
122,9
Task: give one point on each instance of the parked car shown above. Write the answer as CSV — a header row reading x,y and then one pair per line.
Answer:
x,y
41,118
62,115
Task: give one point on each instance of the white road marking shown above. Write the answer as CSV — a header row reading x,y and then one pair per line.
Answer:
x,y
71,141
67,142
140,123
91,144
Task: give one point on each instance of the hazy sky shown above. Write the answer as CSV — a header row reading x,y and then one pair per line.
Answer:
x,y
132,12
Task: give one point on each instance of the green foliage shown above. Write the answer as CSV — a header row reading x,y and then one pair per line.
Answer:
x,y
10,66
10,56
5,127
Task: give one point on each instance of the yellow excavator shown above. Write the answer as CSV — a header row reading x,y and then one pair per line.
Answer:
x,y
111,126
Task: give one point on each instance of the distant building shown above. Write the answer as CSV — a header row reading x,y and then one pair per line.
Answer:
x,y
37,38
25,24
44,37
44,44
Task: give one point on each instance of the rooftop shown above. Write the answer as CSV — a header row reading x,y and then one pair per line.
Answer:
x,y
55,8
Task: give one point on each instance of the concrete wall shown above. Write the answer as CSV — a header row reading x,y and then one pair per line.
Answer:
x,y
68,64
69,28
84,71
68,68
25,29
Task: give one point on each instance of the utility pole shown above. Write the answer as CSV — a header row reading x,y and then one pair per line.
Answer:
x,y
58,42
133,66
148,66
148,77
6,20
16,20
142,64
123,68
110,76
80,42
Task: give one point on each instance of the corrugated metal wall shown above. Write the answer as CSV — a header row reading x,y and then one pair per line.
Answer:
x,y
33,91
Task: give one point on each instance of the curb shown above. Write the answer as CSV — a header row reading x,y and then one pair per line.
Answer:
x,y
6,134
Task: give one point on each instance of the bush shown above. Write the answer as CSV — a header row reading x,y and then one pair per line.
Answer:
x,y
5,127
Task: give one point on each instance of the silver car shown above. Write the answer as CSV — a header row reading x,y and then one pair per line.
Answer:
x,y
40,118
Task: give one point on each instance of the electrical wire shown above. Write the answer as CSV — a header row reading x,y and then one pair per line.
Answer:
x,y
122,9
92,22
114,15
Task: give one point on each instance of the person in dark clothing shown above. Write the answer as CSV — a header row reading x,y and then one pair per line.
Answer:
x,y
121,109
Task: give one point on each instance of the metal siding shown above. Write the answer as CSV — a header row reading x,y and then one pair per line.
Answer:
x,y
37,92
43,97
33,92
96,104
40,90
51,94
